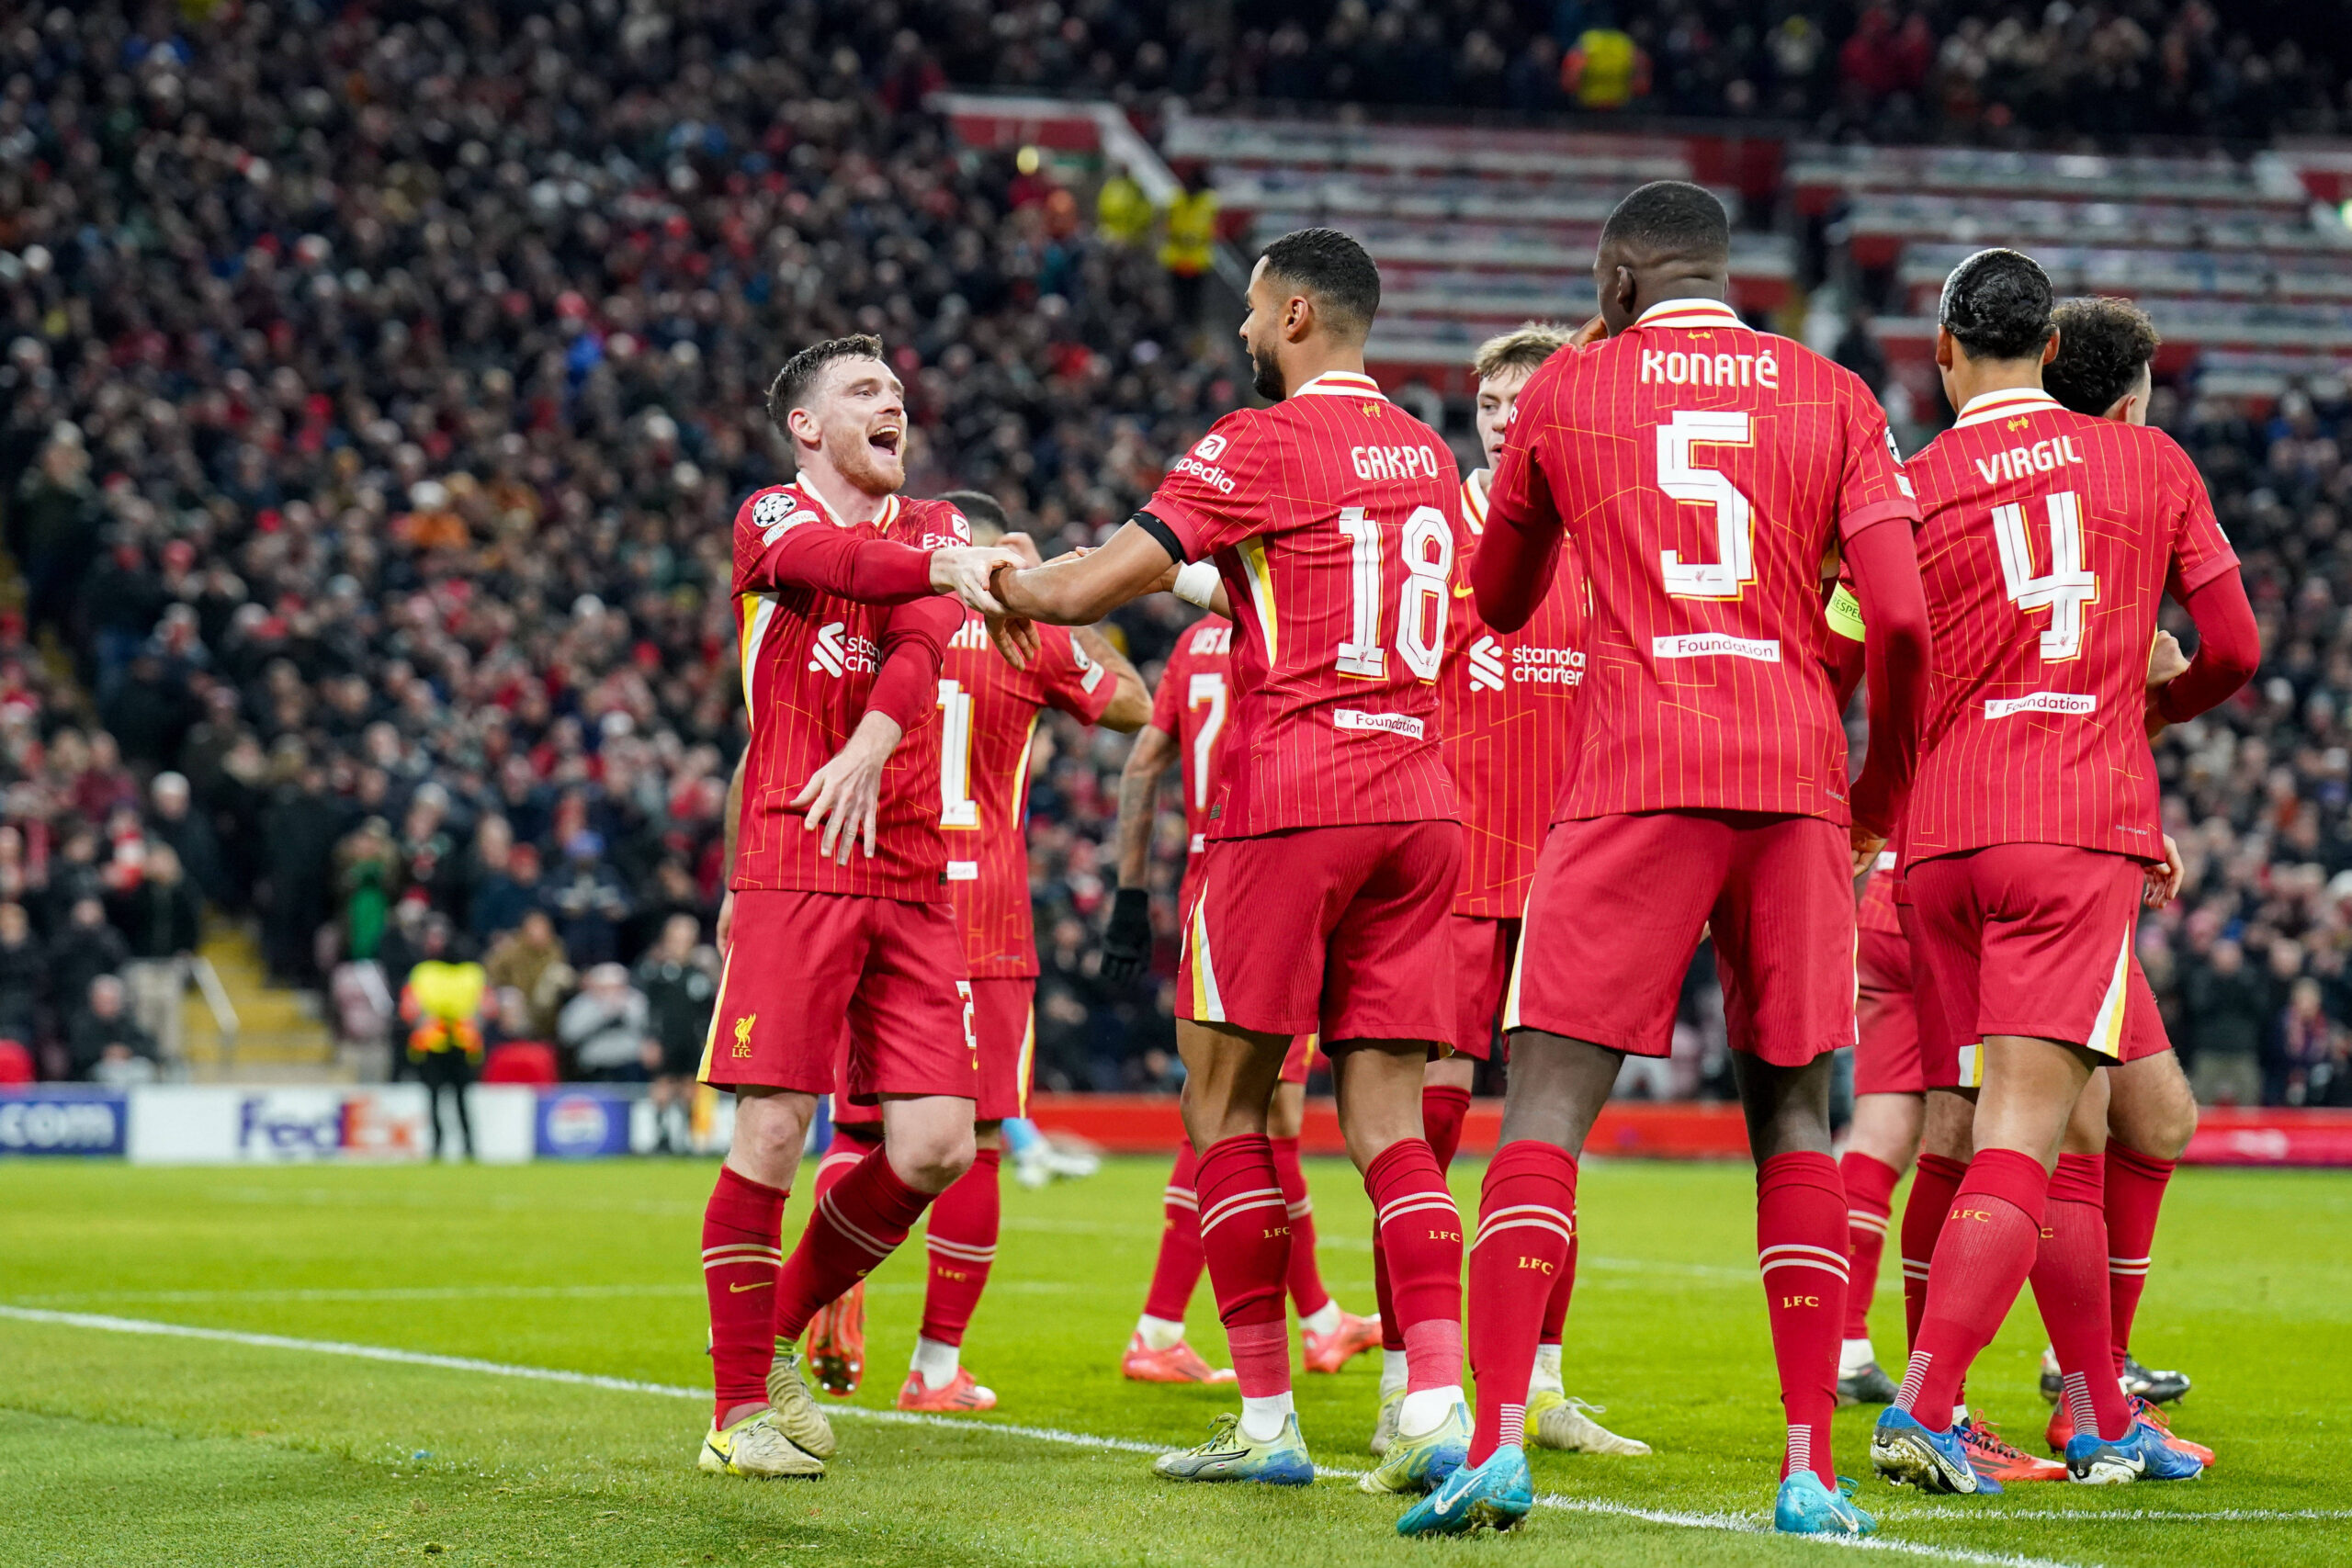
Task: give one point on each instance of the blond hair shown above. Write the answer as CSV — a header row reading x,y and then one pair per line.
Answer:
x,y
1523,347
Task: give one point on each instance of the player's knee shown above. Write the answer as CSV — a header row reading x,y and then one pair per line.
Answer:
x,y
2158,1124
930,1159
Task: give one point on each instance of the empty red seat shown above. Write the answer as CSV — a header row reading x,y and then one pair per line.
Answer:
x,y
521,1061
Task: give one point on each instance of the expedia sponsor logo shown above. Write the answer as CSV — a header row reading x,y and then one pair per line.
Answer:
x,y
1216,478
1209,448
837,652
1393,462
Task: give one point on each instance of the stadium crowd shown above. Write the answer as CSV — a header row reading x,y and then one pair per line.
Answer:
x,y
377,389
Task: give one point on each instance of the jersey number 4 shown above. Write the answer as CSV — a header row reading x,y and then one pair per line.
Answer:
x,y
2065,588
1421,613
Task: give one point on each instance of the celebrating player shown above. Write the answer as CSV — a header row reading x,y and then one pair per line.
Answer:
x,y
2049,540
1707,471
1332,851
1507,701
836,907
1188,726
989,713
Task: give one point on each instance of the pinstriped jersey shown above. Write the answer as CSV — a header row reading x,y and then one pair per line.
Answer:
x,y
1703,471
1330,518
1508,698
988,722
1195,704
809,658
2049,542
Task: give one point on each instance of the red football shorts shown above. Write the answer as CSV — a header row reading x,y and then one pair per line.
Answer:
x,y
1617,907
2031,940
812,975
1005,1027
1336,930
1482,959
2143,1021
1299,1060
1886,1017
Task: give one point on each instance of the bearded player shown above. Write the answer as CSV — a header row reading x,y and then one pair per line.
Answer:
x,y
1333,851
1706,471
836,907
1508,697
1189,729
2049,541
989,713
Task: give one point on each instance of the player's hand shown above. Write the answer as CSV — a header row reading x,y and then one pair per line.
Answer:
x,y
2165,661
1127,936
1591,332
726,933
1866,845
843,798
1016,638
2163,881
964,571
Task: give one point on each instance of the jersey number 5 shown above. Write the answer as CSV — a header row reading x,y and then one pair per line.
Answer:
x,y
1733,567
1421,613
2065,588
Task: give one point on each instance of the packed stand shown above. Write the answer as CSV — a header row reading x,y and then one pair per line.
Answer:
x,y
376,471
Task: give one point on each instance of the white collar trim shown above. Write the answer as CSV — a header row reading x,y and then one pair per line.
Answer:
x,y
1688,313
889,506
1342,384
1987,407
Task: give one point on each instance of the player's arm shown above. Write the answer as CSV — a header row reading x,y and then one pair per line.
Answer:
x,y
1078,590
1127,936
1130,707
842,799
1897,644
724,932
1519,555
870,570
1844,614
2229,651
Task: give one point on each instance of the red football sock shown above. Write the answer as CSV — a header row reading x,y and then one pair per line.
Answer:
x,y
1245,1230
1981,1261
851,1229
1384,1299
842,1156
1421,1230
1178,1272
2070,1287
1555,1306
740,1249
2135,1192
1307,1291
1524,1209
1870,1203
1801,1253
1443,1108
1933,1181
960,1244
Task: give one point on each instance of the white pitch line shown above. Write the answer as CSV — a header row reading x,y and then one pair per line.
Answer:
x,y
464,1292
1732,1523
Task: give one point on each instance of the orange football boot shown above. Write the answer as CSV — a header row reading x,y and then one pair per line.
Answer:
x,y
1178,1363
1329,1352
835,1346
963,1393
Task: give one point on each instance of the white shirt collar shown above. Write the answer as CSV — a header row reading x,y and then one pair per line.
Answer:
x,y
1342,384
1689,313
1474,498
1987,407
882,519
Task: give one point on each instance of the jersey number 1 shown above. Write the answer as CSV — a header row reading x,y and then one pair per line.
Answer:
x,y
1420,614
956,806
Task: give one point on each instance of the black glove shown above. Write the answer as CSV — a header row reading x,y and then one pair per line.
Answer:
x,y
1127,938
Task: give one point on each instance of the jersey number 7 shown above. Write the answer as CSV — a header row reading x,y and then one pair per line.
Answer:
x,y
1420,614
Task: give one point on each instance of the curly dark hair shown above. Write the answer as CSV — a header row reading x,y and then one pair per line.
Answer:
x,y
2103,346
1997,304
1336,269
791,386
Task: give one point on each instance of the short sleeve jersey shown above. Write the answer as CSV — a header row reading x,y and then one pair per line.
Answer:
x,y
1508,699
1194,706
809,660
2049,541
1704,472
988,712
1330,518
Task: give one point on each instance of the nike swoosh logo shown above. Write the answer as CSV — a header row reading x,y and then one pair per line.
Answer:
x,y
1463,590
738,1290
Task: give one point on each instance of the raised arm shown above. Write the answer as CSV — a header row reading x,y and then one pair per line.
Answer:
x,y
1080,590
1130,710
815,555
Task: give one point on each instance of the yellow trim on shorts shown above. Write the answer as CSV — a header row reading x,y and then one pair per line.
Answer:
x,y
718,1010
1517,969
1028,1054
2106,1029
1209,1007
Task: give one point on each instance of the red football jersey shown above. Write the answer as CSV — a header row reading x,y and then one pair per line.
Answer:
x,y
1507,699
1331,518
988,718
1877,911
1704,472
1194,703
809,660
2049,540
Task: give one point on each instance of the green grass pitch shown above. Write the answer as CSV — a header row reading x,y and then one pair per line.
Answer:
x,y
123,1448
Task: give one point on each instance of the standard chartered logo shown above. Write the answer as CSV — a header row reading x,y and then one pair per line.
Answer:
x,y
834,652
1485,665
1493,666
